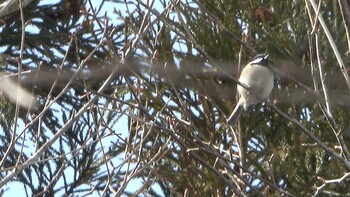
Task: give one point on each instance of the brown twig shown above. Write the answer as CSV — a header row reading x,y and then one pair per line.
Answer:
x,y
344,9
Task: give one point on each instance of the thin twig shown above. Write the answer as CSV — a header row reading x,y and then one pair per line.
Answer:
x,y
322,78
331,42
312,136
20,58
344,9
67,125
328,182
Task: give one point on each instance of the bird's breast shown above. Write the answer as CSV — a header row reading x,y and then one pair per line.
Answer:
x,y
259,79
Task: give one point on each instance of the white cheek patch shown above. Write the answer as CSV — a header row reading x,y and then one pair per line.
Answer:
x,y
257,60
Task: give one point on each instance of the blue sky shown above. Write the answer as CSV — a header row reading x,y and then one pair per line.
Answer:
x,y
17,189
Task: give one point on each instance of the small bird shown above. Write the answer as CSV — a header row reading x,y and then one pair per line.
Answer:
x,y
258,79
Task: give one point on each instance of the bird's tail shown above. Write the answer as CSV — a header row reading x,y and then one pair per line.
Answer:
x,y
232,120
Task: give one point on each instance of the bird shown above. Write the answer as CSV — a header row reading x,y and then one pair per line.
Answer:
x,y
258,79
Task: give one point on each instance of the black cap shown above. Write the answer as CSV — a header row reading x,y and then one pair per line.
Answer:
x,y
261,59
